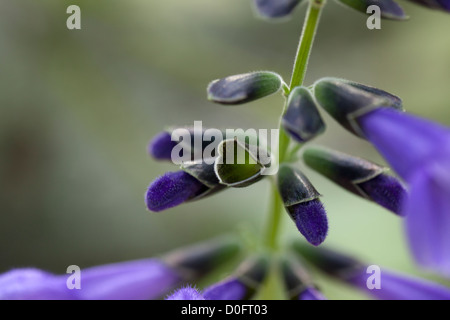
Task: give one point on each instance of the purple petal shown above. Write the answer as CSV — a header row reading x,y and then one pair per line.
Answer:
x,y
33,284
407,142
276,8
232,289
400,287
311,294
161,146
387,191
428,218
311,220
171,190
187,293
136,280
434,4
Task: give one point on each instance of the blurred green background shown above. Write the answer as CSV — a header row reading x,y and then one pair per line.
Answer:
x,y
77,109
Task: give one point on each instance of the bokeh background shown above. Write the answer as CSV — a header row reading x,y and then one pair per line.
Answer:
x,y
77,109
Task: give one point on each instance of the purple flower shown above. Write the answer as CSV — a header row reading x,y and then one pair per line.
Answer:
x,y
173,189
359,176
187,293
276,8
385,191
242,284
33,284
434,4
311,294
302,203
137,280
380,283
161,146
232,289
311,220
395,286
419,150
298,284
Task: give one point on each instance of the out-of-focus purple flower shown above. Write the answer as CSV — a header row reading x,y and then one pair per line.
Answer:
x,y
276,8
135,280
389,285
172,189
298,284
301,201
395,286
419,150
242,284
232,289
187,293
443,5
311,294
33,284
161,146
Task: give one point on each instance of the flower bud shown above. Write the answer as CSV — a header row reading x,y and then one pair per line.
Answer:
x,y
345,101
443,5
298,284
240,164
276,8
243,284
359,176
244,88
195,261
191,139
328,261
302,120
389,8
379,283
301,201
186,293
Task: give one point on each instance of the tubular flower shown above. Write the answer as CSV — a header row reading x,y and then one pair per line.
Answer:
x,y
419,150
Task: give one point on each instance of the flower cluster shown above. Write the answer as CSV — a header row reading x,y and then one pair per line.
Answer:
x,y
418,150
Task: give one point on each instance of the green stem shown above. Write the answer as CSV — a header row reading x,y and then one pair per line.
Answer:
x,y
298,75
306,42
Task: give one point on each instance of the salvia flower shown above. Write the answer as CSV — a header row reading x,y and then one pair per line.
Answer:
x,y
191,140
419,150
359,176
302,120
299,285
301,201
244,88
172,189
186,293
133,280
345,101
242,285
389,285
443,5
161,146
389,8
276,8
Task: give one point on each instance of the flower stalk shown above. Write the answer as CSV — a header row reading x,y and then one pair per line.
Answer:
x,y
315,8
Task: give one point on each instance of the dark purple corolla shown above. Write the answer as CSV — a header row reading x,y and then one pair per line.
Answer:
x,y
171,190
419,150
